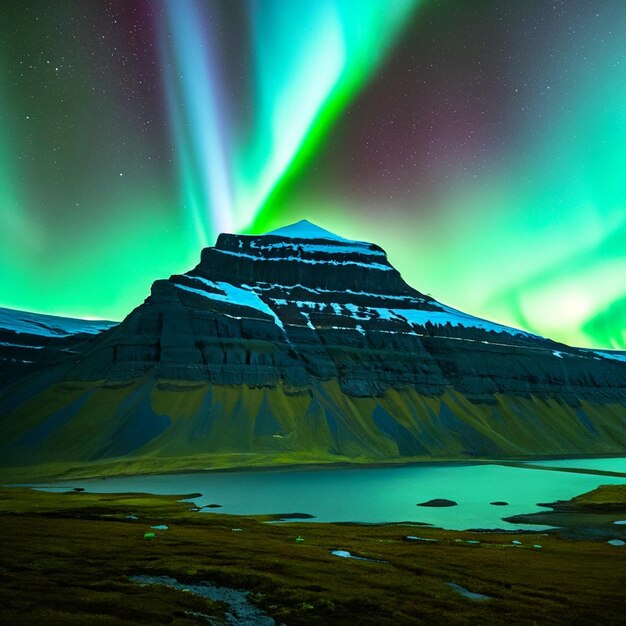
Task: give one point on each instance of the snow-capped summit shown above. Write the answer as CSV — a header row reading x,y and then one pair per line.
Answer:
x,y
306,230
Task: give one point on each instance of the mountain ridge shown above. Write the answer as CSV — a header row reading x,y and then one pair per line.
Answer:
x,y
29,339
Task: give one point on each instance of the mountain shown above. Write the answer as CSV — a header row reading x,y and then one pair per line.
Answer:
x,y
29,340
300,346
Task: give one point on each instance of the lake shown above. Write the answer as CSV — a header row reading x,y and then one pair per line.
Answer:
x,y
378,495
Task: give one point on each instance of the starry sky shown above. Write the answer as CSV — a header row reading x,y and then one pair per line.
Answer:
x,y
482,144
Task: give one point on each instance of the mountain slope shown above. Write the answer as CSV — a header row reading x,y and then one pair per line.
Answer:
x,y
303,346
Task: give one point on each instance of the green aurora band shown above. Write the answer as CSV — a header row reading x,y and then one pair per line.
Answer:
x,y
131,136
309,61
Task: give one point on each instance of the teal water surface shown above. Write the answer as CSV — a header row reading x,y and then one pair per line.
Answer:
x,y
604,465
376,495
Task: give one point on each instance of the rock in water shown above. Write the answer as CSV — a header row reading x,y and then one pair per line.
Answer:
x,y
439,502
303,346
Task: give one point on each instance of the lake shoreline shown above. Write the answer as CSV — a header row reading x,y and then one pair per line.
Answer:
x,y
74,473
374,495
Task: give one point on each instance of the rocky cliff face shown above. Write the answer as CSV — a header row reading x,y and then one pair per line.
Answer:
x,y
301,345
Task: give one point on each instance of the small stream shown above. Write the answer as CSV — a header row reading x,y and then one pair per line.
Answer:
x,y
241,611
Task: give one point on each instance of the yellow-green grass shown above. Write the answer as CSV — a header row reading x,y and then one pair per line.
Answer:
x,y
605,495
215,427
65,558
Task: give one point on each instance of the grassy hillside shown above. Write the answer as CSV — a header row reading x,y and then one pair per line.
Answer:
x,y
103,428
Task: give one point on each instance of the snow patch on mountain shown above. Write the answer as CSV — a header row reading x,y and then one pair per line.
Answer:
x,y
7,344
420,317
412,317
230,294
25,322
318,248
306,230
320,290
616,356
374,266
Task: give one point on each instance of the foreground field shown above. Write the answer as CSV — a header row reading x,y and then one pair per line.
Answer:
x,y
68,558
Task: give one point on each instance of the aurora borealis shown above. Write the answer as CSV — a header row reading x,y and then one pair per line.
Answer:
x,y
482,144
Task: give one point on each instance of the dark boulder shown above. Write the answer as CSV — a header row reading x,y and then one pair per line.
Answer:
x,y
438,502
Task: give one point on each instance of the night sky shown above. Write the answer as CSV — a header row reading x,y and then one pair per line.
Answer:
x,y
481,143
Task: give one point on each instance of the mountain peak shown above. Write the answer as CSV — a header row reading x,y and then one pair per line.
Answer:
x,y
306,230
